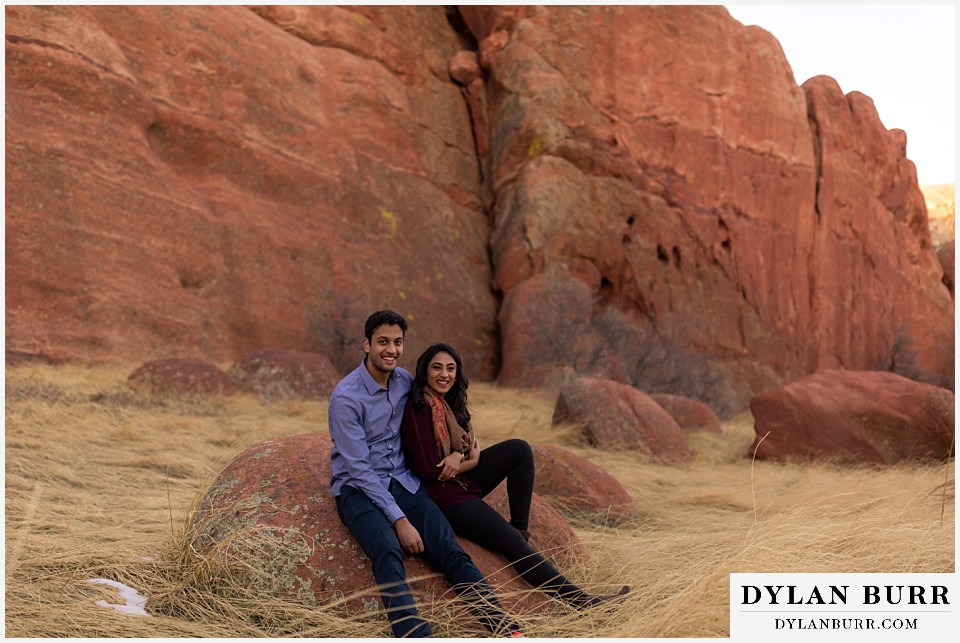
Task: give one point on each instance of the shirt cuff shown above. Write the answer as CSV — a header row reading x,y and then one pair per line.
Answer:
x,y
394,514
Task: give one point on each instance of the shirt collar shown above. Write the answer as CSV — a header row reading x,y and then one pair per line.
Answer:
x,y
371,384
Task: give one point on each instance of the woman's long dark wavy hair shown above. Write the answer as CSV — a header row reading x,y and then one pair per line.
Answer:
x,y
456,397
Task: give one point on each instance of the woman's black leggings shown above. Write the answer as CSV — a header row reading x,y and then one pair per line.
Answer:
x,y
476,520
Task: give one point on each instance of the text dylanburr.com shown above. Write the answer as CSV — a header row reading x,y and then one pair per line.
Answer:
x,y
844,607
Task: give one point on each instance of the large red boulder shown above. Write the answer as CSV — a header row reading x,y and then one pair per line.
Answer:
x,y
280,373
182,376
690,414
846,416
269,518
579,487
618,416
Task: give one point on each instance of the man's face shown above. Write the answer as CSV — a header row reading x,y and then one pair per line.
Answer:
x,y
384,348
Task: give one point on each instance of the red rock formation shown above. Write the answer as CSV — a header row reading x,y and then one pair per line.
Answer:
x,y
578,486
875,279
689,414
847,416
945,255
618,416
278,374
183,377
203,181
674,166
270,518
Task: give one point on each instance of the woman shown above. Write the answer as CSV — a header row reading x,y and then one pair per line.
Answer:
x,y
443,451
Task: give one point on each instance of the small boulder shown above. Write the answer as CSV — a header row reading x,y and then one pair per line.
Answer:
x,y
577,486
283,374
690,414
269,520
854,416
620,416
182,377
465,67
491,46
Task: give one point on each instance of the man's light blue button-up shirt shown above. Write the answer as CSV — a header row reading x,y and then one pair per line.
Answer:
x,y
364,421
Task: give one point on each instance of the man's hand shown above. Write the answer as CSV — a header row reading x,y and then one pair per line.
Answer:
x,y
408,536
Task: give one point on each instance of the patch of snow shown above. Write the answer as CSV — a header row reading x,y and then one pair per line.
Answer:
x,y
134,602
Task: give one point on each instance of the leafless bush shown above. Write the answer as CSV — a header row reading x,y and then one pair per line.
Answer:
x,y
658,362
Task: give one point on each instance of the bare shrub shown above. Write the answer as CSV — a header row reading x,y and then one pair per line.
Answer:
x,y
565,304
659,362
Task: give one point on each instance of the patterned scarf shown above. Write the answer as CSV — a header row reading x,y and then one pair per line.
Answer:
x,y
448,433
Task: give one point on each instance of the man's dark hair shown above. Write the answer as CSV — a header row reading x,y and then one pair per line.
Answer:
x,y
456,397
380,318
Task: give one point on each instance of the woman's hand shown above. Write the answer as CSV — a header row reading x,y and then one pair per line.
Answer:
x,y
450,466
472,459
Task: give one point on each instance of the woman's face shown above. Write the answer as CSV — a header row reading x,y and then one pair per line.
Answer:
x,y
441,373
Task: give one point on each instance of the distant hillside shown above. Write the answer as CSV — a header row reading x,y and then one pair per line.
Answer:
x,y
941,201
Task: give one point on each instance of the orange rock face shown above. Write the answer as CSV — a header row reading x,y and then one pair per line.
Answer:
x,y
674,167
205,181
647,183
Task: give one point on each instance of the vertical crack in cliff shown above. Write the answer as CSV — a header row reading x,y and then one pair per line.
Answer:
x,y
473,91
472,94
812,260
818,160
467,40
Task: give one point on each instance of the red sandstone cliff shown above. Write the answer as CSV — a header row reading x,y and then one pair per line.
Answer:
x,y
637,192
203,181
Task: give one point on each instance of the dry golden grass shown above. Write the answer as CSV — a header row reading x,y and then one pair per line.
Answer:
x,y
100,482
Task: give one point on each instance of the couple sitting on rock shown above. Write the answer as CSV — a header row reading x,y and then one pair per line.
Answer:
x,y
381,421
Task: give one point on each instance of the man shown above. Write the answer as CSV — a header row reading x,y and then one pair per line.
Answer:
x,y
380,501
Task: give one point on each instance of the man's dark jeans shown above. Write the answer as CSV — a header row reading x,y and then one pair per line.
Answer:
x,y
377,537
